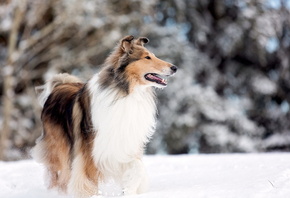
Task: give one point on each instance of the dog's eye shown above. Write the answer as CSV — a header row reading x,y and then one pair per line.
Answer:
x,y
147,57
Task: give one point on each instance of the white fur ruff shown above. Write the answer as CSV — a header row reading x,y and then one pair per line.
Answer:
x,y
123,126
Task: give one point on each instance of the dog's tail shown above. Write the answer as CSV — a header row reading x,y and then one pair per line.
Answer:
x,y
45,90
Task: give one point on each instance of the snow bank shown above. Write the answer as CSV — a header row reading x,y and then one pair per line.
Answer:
x,y
185,176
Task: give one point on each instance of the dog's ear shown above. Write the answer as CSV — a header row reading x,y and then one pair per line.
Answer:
x,y
126,43
142,40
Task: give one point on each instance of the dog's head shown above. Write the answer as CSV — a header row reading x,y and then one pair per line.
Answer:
x,y
134,65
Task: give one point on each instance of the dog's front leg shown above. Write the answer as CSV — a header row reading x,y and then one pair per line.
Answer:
x,y
134,179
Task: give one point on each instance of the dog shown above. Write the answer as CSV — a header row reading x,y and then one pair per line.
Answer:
x,y
98,129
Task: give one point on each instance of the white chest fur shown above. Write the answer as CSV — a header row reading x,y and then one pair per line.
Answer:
x,y
123,126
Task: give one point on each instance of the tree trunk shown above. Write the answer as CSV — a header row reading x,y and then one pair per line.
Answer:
x,y
8,78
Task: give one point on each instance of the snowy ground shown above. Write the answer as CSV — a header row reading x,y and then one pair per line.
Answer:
x,y
186,176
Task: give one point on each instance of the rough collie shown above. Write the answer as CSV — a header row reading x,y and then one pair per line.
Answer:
x,y
98,129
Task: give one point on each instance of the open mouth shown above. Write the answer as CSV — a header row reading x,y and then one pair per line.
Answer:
x,y
156,78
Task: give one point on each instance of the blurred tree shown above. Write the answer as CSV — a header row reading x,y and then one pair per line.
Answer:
x,y
248,45
230,95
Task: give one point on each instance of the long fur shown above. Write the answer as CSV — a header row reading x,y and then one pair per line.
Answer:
x,y
98,130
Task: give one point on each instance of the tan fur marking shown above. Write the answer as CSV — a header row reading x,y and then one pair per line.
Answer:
x,y
57,159
83,148
137,69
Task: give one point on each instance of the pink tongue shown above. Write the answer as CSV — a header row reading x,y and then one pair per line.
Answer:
x,y
155,77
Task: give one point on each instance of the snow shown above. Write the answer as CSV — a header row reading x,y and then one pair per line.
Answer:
x,y
263,85
184,176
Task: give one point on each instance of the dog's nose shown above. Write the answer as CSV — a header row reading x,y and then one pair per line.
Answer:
x,y
173,68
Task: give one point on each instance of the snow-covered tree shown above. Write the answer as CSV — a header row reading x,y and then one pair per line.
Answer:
x,y
231,93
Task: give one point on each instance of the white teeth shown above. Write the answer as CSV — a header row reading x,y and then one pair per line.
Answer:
x,y
157,78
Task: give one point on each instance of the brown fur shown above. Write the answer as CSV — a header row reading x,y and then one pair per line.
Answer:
x,y
67,133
